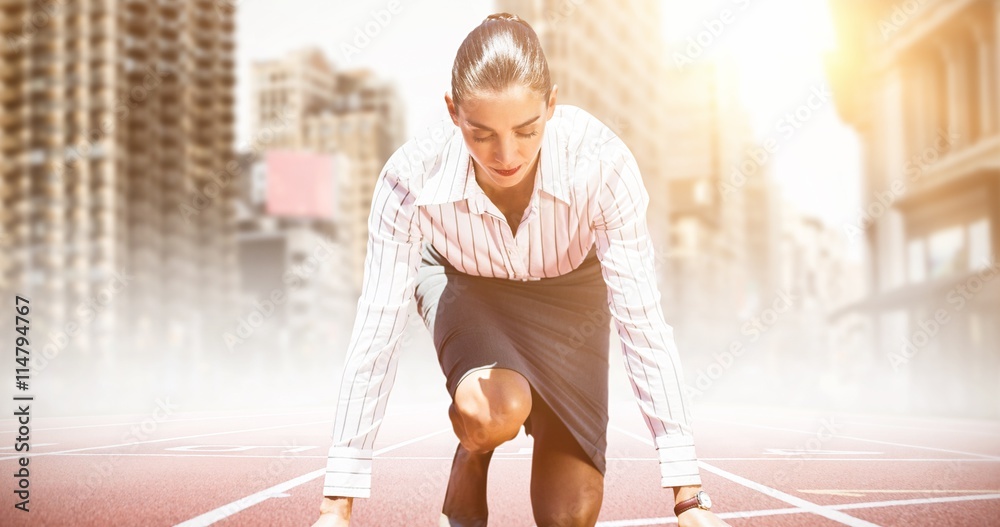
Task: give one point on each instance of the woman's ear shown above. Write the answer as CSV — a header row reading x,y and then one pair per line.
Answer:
x,y
552,100
452,110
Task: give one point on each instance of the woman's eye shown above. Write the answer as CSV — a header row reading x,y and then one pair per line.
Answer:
x,y
487,138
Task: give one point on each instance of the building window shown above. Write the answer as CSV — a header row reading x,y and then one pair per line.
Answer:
x,y
980,250
936,102
945,251
973,110
702,190
36,156
916,259
975,329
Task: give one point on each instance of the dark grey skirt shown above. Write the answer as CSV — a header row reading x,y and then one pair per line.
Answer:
x,y
553,331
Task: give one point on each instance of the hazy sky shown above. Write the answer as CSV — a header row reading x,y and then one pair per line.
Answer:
x,y
777,44
415,48
779,47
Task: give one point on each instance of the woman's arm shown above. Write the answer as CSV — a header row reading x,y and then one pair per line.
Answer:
x,y
651,359
391,264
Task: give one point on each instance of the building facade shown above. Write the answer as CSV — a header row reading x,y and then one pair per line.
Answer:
x,y
116,173
920,82
707,136
687,131
286,92
606,58
304,103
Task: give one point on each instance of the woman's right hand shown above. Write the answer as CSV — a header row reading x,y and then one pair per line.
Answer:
x,y
334,511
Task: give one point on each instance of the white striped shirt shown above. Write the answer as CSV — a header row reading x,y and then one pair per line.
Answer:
x,y
587,190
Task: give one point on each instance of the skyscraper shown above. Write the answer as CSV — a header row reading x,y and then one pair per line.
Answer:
x,y
321,109
707,138
117,170
607,58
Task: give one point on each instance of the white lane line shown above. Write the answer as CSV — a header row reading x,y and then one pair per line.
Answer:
x,y
642,522
814,508
215,418
917,501
775,512
809,506
638,522
839,436
11,448
512,456
220,456
36,454
401,458
864,492
229,509
241,504
804,451
896,459
964,430
208,449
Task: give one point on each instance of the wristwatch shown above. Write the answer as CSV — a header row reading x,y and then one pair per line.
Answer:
x,y
700,500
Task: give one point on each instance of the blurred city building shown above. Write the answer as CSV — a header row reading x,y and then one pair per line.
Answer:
x,y
920,82
752,273
707,136
584,42
814,278
116,170
290,260
764,214
286,92
723,254
302,102
681,140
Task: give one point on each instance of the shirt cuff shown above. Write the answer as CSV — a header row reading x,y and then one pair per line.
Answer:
x,y
678,462
348,472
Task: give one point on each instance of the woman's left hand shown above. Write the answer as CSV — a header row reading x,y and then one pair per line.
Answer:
x,y
699,518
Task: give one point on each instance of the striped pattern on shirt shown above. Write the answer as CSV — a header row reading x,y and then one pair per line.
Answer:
x,y
588,191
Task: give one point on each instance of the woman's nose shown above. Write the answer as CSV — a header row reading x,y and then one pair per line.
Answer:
x,y
506,153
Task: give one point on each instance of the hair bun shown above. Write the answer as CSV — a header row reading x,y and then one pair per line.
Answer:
x,y
505,16
501,52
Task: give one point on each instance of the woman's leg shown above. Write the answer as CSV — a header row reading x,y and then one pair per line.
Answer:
x,y
489,408
566,487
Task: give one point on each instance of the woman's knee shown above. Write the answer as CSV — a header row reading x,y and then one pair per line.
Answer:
x,y
491,405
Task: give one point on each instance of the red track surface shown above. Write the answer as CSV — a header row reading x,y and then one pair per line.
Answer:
x,y
762,467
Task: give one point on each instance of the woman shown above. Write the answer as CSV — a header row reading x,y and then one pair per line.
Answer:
x,y
520,238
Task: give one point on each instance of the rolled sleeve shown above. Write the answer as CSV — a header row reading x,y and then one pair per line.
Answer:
x,y
369,372
652,362
348,472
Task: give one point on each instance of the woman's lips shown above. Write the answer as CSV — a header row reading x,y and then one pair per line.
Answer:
x,y
507,173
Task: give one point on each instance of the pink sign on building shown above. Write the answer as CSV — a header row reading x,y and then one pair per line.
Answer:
x,y
299,184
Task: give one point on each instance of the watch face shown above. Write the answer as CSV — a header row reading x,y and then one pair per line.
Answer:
x,y
704,501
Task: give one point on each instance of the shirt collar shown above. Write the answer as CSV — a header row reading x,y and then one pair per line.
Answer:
x,y
455,180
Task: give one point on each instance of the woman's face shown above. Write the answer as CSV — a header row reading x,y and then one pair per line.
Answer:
x,y
503,132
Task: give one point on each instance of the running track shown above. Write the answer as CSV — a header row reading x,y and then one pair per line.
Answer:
x,y
763,467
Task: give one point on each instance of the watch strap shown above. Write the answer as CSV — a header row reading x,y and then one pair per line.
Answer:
x,y
689,503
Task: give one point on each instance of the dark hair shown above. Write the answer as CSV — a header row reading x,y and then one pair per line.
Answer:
x,y
502,51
